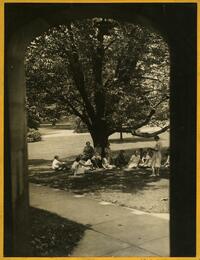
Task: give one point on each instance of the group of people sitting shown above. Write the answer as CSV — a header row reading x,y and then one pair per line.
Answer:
x,y
91,160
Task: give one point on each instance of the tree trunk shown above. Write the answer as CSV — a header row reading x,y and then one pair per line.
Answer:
x,y
100,140
121,135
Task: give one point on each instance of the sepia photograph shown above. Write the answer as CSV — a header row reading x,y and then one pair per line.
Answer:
x,y
100,129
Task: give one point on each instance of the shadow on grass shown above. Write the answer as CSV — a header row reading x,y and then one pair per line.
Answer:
x,y
36,162
117,180
52,235
109,180
131,140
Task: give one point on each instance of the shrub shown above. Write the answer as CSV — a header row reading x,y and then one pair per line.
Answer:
x,y
33,135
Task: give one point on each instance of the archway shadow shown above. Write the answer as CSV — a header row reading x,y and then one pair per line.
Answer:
x,y
52,235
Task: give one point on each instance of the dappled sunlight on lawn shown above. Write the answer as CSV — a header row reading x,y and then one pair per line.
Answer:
x,y
137,188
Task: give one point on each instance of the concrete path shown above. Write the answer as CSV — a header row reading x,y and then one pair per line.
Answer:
x,y
112,230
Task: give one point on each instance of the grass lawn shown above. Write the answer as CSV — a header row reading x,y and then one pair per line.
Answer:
x,y
52,235
136,189
65,143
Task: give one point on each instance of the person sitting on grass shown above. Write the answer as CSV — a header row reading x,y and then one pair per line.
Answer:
x,y
96,160
108,153
166,164
146,159
106,164
120,160
57,165
88,163
134,160
88,150
84,165
143,159
75,165
141,152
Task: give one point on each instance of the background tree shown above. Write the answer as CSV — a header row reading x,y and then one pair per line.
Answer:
x,y
33,118
113,75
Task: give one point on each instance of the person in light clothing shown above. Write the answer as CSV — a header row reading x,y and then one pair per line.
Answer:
x,y
106,165
157,157
57,165
81,165
146,160
75,166
134,160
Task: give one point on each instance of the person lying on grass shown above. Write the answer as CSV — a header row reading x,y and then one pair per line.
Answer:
x,y
57,165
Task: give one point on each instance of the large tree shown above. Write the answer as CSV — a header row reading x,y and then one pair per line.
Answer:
x,y
113,75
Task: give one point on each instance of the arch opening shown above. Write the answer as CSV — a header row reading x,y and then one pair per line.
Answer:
x,y
177,22
101,76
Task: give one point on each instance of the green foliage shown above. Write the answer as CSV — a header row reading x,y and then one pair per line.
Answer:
x,y
110,74
33,135
33,118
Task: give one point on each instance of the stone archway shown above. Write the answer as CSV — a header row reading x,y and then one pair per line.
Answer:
x,y
22,26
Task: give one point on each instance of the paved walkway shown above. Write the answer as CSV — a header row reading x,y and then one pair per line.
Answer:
x,y
113,230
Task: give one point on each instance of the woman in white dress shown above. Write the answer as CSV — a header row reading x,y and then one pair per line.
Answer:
x,y
157,157
134,160
106,164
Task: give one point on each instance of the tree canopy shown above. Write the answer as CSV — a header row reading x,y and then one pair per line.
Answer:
x,y
113,75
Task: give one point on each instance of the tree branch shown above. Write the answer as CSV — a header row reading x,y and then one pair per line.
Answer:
x,y
150,78
97,58
130,129
135,133
148,135
166,97
78,75
109,44
74,111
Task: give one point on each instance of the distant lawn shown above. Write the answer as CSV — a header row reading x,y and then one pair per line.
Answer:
x,y
52,235
65,143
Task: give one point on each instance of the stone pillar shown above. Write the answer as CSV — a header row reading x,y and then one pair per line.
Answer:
x,y
182,42
16,171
